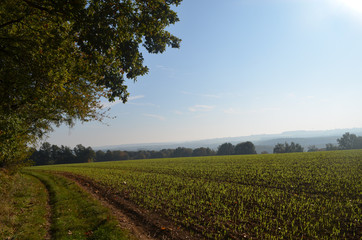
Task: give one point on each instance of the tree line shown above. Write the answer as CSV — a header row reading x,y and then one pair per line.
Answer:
x,y
53,154
346,142
288,148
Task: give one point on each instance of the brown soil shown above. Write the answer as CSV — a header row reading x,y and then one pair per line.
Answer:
x,y
143,224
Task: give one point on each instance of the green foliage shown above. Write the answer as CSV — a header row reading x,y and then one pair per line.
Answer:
x,y
58,59
245,148
274,196
182,152
286,148
52,154
350,141
225,149
331,147
202,152
313,148
240,148
13,143
83,154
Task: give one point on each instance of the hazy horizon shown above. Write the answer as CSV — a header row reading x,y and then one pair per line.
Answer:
x,y
244,68
264,137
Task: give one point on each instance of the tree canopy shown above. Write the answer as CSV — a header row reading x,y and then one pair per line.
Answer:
x,y
288,148
59,59
226,149
245,148
349,141
53,154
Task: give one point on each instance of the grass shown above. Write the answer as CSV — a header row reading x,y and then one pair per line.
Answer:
x,y
75,215
39,205
23,208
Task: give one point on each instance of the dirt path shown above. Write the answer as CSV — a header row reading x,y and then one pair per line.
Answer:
x,y
48,207
49,210
143,224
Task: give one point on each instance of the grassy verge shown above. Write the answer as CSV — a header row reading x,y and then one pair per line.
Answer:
x,y
75,215
23,208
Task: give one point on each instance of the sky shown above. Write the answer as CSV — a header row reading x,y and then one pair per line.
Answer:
x,y
244,67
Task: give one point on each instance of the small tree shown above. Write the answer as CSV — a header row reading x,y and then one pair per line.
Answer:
x,y
279,148
358,143
245,148
108,156
202,151
331,147
286,148
182,152
313,148
120,155
100,156
83,154
65,156
225,149
347,141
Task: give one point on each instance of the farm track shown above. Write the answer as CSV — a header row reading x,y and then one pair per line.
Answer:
x,y
49,210
143,224
48,236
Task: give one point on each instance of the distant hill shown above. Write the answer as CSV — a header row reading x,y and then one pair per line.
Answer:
x,y
262,142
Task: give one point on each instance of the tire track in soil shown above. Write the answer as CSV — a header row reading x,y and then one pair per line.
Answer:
x,y
143,224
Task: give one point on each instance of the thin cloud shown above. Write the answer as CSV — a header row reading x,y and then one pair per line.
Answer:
x,y
170,72
270,109
159,117
111,104
291,95
265,110
135,97
200,95
145,104
209,95
231,111
201,108
164,68
178,112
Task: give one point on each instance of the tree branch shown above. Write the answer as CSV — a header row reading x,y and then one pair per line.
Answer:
x,y
12,21
31,4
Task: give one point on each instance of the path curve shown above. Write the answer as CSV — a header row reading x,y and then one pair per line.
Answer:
x,y
143,224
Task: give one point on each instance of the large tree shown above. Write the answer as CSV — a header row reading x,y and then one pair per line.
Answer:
x,y
60,58
350,141
226,149
245,148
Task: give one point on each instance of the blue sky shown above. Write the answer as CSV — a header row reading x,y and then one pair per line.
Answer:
x,y
244,67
